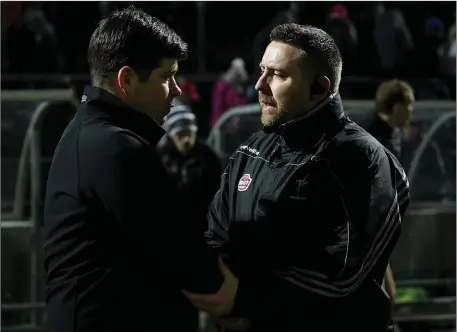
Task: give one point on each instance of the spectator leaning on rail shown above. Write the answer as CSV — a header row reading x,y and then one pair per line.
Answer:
x,y
309,209
118,248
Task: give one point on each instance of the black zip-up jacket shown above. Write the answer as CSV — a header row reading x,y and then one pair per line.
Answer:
x,y
309,213
197,176
118,251
386,135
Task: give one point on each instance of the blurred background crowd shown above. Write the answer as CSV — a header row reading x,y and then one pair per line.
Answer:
x,y
44,46
375,38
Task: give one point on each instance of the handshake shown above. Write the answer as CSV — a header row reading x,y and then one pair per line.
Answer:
x,y
219,305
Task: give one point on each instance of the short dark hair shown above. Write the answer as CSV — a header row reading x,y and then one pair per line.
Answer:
x,y
131,37
391,93
319,49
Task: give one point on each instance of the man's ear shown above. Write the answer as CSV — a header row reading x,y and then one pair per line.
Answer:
x,y
125,78
320,88
324,81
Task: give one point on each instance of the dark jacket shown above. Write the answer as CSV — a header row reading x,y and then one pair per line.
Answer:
x,y
197,176
118,251
309,213
390,137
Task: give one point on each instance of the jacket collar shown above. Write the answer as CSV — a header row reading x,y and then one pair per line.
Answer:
x,y
309,129
113,108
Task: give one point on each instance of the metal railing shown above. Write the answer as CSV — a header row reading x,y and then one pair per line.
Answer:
x,y
420,150
30,171
351,107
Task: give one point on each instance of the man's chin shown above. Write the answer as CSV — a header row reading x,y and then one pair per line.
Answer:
x,y
185,152
269,120
164,117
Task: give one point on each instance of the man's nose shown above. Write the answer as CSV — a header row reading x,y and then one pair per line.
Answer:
x,y
185,139
175,90
262,84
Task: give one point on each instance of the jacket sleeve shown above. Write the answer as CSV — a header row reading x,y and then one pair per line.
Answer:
x,y
218,215
134,187
352,215
211,177
216,170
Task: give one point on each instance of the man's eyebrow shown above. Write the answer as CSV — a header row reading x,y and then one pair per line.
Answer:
x,y
271,68
172,71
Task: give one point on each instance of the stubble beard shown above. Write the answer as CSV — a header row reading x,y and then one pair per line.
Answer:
x,y
269,119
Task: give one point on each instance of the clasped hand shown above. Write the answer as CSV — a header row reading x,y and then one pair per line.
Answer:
x,y
220,304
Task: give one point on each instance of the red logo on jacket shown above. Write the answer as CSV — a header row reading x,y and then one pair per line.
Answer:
x,y
244,183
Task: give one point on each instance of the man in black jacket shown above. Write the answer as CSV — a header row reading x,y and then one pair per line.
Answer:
x,y
118,250
309,209
394,108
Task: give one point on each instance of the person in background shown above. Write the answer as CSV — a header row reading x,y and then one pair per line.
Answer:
x,y
428,60
394,104
190,94
394,108
447,60
17,44
447,52
12,37
228,91
196,170
291,14
192,163
427,47
46,57
393,39
341,28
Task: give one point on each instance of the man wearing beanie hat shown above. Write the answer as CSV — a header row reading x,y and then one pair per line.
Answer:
x,y
182,120
192,163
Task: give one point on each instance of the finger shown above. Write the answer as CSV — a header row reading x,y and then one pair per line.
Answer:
x,y
189,294
224,268
196,297
204,305
201,303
